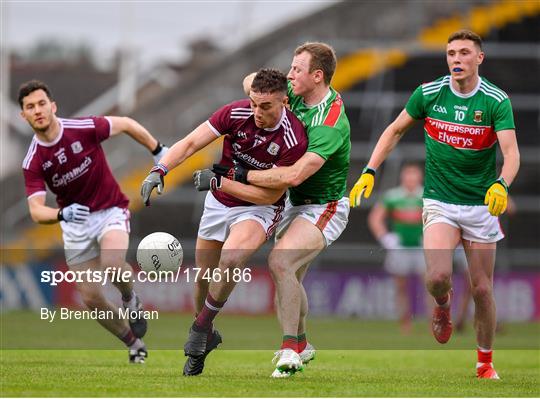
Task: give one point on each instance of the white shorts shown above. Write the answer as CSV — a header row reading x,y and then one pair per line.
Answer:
x,y
474,221
81,241
405,261
331,218
217,218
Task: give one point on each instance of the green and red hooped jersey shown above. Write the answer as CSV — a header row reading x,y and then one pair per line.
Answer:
x,y
404,211
460,138
329,135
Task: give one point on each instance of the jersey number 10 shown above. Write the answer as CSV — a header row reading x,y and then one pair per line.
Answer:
x,y
459,116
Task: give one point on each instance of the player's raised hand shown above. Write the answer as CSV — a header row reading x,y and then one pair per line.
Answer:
x,y
205,180
159,152
154,179
74,213
497,197
363,186
237,172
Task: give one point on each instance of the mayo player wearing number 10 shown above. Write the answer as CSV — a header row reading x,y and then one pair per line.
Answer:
x,y
260,133
464,117
66,155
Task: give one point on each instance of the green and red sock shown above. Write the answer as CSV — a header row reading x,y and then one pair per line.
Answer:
x,y
302,342
290,342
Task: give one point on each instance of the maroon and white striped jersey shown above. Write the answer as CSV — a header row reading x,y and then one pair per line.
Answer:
x,y
253,147
74,166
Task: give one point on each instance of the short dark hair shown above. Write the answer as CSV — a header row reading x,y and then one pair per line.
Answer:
x,y
270,81
323,57
31,86
465,34
412,164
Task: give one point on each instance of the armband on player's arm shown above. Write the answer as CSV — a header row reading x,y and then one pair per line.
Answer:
x,y
363,186
497,197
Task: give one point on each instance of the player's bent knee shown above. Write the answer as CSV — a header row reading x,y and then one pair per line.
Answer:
x,y
482,291
438,279
279,266
231,260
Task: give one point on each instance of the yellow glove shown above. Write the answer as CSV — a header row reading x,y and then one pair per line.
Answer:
x,y
363,186
497,197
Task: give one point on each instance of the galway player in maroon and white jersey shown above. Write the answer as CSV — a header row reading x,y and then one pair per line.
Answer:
x,y
260,133
66,156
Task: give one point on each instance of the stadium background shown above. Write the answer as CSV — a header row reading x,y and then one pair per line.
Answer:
x,y
385,50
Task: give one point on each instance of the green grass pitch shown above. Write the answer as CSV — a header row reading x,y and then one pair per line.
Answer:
x,y
396,366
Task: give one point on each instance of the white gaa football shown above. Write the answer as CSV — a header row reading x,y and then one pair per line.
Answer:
x,y
159,252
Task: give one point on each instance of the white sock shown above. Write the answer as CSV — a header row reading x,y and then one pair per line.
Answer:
x,y
446,304
138,344
478,364
483,350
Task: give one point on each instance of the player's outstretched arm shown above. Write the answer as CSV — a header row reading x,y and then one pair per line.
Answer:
x,y
388,140
138,133
287,176
497,195
178,153
199,138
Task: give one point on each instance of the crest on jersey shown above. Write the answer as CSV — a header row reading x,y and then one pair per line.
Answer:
x,y
478,116
273,148
46,165
76,147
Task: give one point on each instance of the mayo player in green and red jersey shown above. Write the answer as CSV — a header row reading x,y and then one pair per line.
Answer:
x,y
464,118
401,207
317,210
